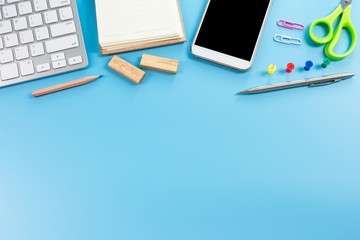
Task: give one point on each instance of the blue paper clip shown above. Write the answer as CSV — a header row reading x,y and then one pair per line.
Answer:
x,y
287,40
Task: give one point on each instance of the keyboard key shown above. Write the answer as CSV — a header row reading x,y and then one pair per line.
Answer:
x,y
43,67
40,5
61,29
59,64
37,49
66,13
42,33
5,27
27,67
50,16
25,8
26,36
21,53
9,71
11,40
35,20
10,11
75,60
6,56
62,43
57,57
2,2
20,23
59,3
1,43
13,1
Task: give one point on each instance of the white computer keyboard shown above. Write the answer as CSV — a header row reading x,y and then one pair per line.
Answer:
x,y
39,38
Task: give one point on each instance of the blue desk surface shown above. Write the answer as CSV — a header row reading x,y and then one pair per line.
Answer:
x,y
180,156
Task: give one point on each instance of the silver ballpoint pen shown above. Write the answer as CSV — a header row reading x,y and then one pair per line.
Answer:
x,y
310,82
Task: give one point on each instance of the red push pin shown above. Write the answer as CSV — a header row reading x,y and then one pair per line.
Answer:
x,y
290,67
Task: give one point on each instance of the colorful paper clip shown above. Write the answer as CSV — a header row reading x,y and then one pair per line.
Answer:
x,y
290,25
287,40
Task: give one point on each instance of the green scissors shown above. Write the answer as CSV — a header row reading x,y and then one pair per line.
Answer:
x,y
332,38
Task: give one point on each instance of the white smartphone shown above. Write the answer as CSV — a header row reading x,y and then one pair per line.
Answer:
x,y
230,31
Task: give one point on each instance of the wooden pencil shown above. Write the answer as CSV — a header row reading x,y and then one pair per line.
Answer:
x,y
64,86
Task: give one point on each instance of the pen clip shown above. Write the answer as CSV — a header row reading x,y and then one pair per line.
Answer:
x,y
324,83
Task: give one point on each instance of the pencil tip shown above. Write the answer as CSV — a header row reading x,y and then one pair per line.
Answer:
x,y
101,76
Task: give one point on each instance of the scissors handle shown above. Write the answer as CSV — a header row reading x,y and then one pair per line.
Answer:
x,y
345,23
327,22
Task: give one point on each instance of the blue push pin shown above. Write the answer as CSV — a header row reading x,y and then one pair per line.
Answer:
x,y
308,65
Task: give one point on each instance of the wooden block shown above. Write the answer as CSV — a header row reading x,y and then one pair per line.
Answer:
x,y
159,63
126,69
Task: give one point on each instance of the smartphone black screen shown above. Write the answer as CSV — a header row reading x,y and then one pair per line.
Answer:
x,y
232,27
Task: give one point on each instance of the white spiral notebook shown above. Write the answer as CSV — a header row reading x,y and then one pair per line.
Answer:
x,y
127,25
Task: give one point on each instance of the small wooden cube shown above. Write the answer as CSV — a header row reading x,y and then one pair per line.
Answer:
x,y
159,63
126,69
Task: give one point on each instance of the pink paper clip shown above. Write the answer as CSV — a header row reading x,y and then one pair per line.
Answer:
x,y
290,25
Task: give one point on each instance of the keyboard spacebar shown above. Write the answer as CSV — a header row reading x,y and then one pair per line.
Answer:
x,y
62,43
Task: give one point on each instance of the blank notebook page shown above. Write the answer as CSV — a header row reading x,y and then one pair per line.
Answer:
x,y
129,21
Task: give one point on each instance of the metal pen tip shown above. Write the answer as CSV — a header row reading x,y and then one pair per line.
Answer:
x,y
243,92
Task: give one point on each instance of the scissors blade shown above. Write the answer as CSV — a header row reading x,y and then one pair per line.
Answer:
x,y
345,4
